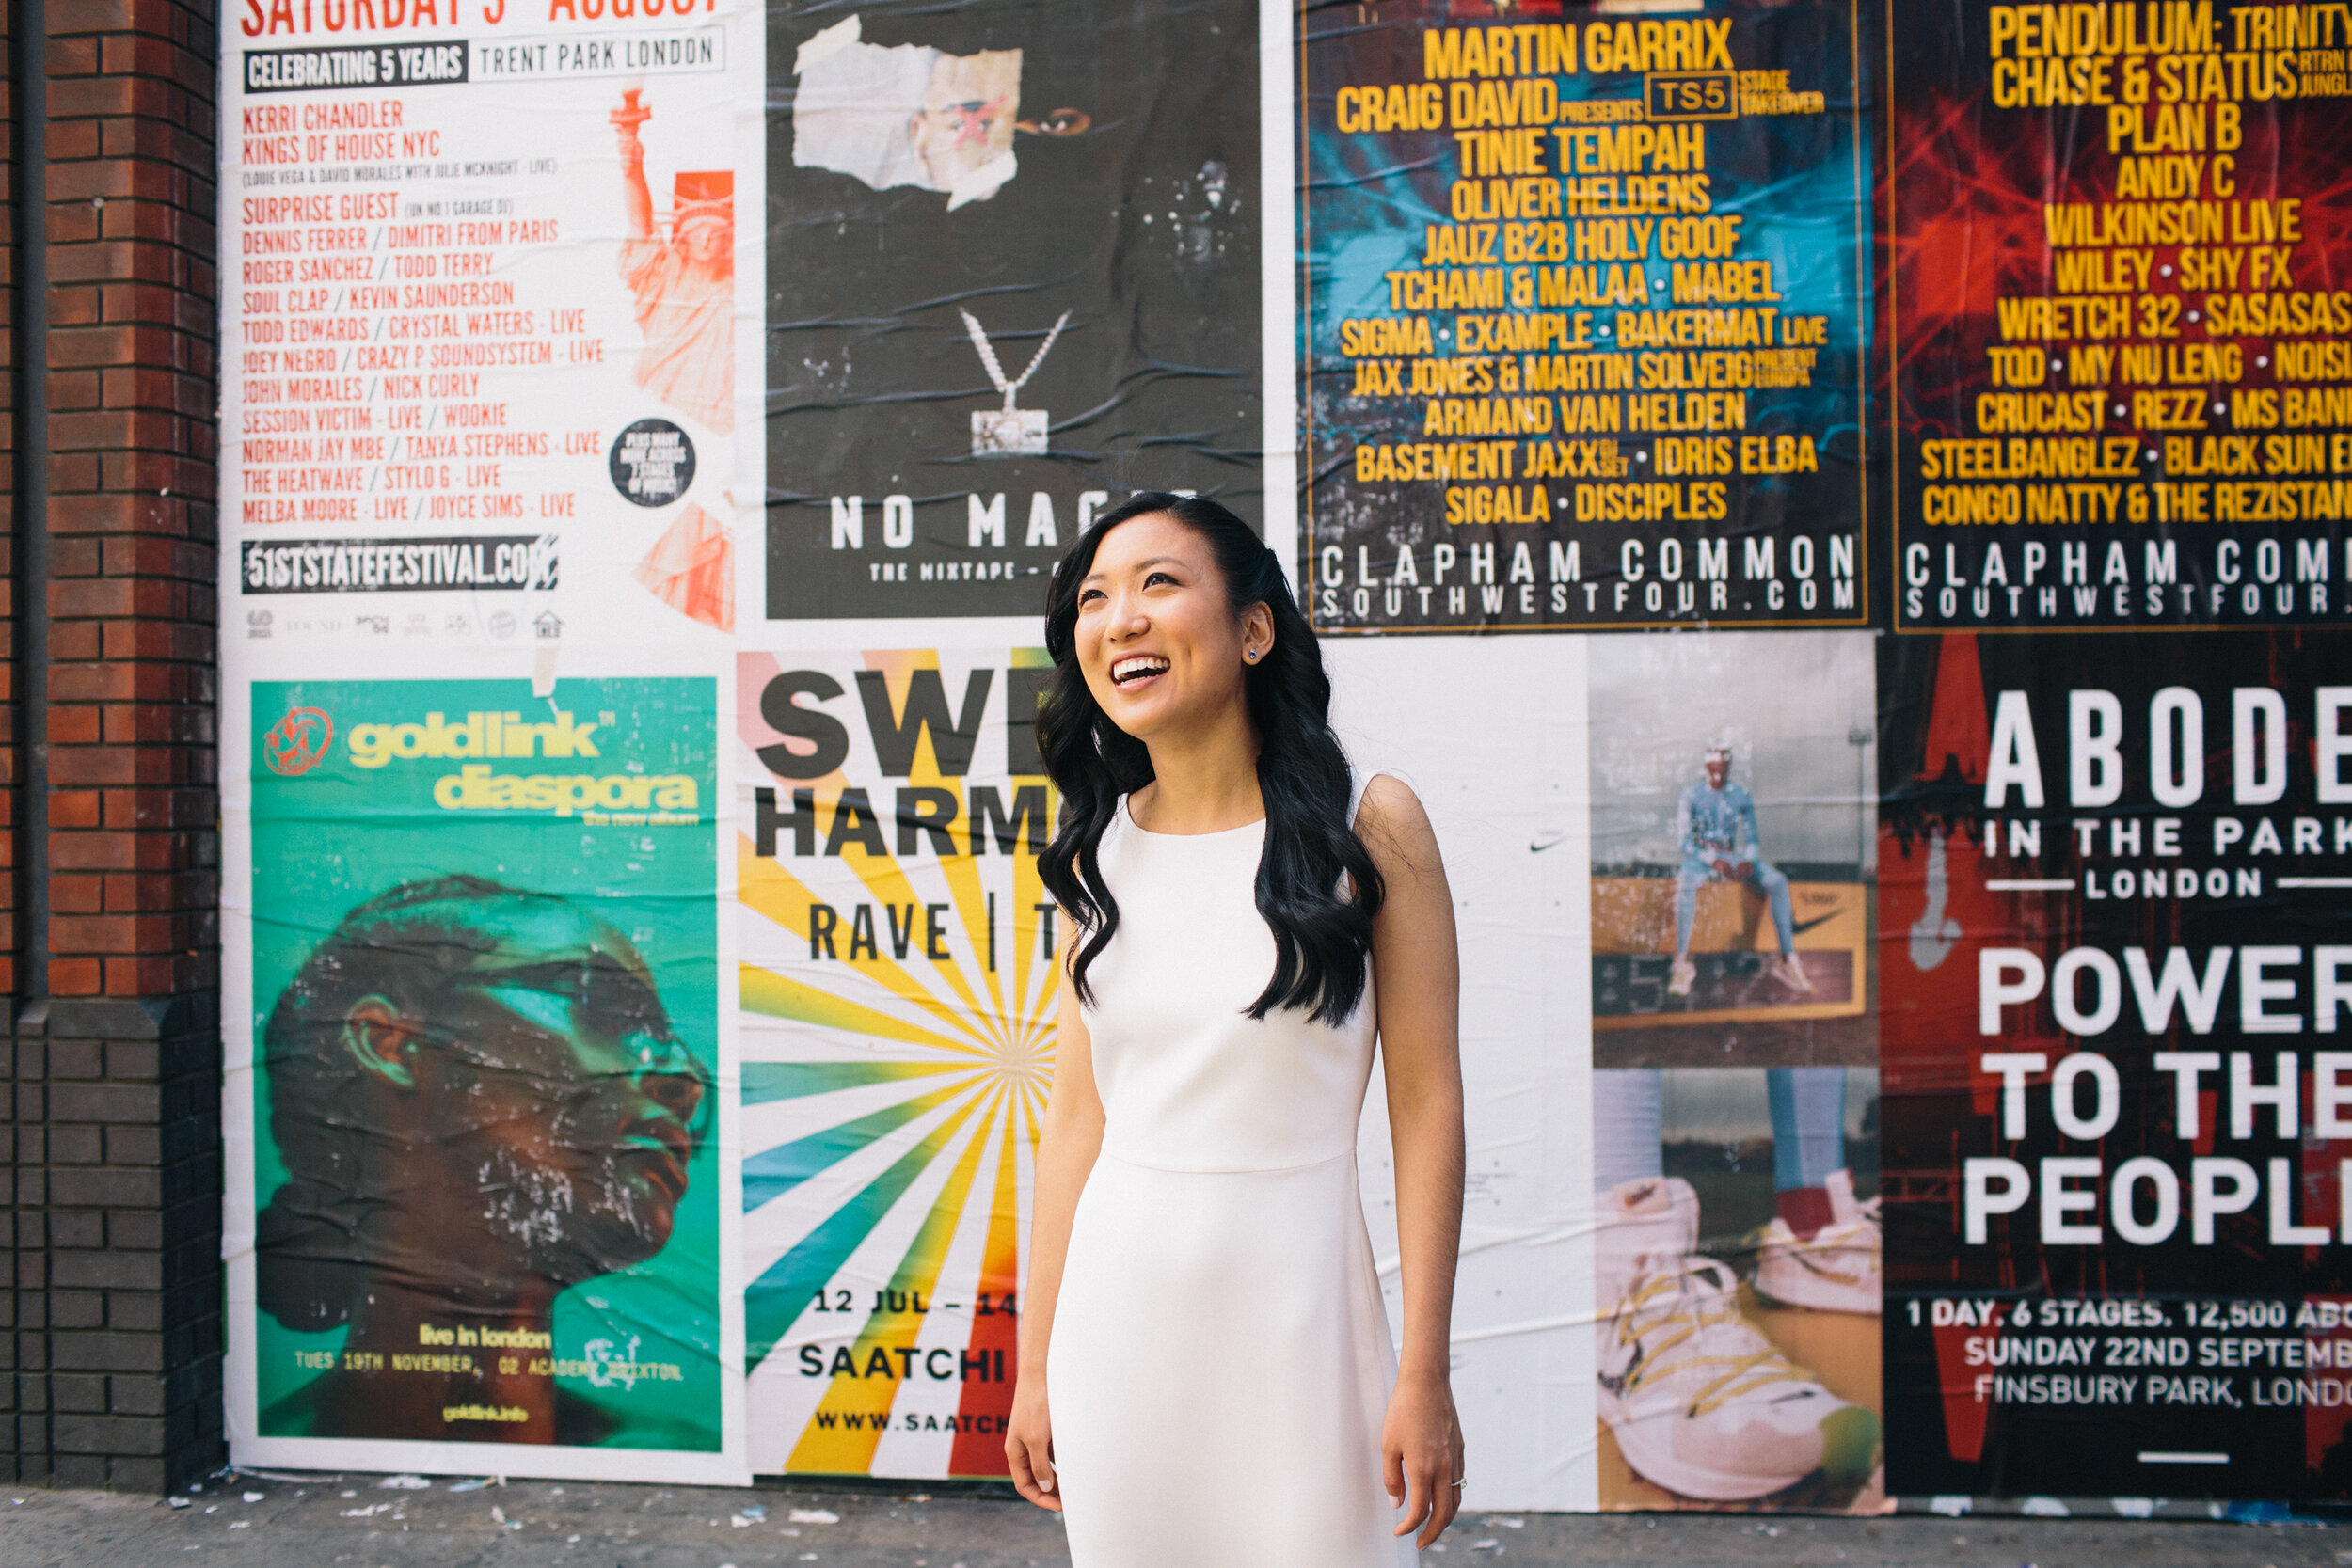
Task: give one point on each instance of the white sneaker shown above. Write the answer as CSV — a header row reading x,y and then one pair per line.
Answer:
x,y
1681,978
1790,971
1838,1270
1700,1401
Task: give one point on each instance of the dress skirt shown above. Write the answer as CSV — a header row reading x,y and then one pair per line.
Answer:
x,y
1218,1371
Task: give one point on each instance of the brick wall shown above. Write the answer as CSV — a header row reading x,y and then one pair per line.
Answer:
x,y
118,1303
109,1106
132,514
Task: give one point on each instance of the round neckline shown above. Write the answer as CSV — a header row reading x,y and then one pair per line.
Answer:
x,y
1127,810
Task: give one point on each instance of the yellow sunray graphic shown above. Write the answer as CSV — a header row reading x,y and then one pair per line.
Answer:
x,y
779,895
881,874
780,996
768,888
964,872
837,1446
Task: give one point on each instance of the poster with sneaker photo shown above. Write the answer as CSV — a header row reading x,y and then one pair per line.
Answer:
x,y
1734,1091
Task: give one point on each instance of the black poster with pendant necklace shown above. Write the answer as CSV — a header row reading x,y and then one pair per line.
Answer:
x,y
1072,189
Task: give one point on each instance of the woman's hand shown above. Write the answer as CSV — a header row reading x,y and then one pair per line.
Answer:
x,y
1030,1444
1421,1449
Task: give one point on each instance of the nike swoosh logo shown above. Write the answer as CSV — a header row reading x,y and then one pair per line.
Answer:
x,y
1543,844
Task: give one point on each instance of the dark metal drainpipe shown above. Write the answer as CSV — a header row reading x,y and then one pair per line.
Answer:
x,y
32,499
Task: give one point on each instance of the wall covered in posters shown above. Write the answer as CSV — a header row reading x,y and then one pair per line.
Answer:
x,y
1866,490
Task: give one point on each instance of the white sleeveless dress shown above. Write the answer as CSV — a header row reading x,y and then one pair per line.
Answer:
x,y
1220,1361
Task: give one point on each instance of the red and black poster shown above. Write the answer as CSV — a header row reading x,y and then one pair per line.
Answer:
x,y
2123,384
2116,966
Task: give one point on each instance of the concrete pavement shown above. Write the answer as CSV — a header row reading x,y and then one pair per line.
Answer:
x,y
357,1521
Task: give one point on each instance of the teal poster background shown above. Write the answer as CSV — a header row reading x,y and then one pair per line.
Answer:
x,y
330,834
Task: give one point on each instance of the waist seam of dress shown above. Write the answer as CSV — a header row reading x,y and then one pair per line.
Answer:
x,y
1108,1153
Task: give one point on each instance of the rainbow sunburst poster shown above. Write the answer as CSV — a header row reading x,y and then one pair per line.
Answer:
x,y
898,1007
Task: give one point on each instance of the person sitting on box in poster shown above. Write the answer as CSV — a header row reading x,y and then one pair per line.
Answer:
x,y
685,285
481,1100
1715,827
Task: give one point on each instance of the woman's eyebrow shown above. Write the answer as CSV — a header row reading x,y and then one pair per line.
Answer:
x,y
1155,561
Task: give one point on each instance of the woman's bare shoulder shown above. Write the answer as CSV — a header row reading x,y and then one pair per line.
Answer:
x,y
1394,824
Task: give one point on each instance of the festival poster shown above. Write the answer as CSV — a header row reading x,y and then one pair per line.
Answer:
x,y
2117,957
484,355
478,1065
1734,1100
2123,389
1586,298
898,983
1013,275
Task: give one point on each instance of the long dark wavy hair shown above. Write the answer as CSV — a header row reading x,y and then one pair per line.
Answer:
x,y
1317,887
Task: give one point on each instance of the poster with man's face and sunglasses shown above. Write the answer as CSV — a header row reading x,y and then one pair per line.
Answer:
x,y
484,1066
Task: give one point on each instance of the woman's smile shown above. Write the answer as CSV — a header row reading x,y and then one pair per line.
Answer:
x,y
1138,670
1138,667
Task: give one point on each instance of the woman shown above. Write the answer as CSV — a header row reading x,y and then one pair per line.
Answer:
x,y
1206,1374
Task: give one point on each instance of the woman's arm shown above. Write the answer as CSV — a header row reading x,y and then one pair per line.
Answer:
x,y
1065,1153
1417,972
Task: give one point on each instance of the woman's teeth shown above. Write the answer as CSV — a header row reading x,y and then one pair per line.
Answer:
x,y
1136,669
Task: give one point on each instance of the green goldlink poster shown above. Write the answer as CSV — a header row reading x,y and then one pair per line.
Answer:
x,y
486,1026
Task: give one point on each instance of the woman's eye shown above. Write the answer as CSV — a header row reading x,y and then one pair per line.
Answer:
x,y
1159,577
1090,595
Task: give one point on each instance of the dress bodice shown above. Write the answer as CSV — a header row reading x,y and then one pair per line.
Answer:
x,y
1188,1079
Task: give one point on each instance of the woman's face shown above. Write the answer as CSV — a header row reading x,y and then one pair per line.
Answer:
x,y
552,1094
1162,651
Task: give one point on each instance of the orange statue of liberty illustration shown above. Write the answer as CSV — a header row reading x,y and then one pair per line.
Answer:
x,y
684,284
692,569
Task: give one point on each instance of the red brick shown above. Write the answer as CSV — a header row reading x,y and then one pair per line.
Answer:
x,y
75,640
74,726
74,808
77,596
151,892
97,765
151,976
72,139
74,558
